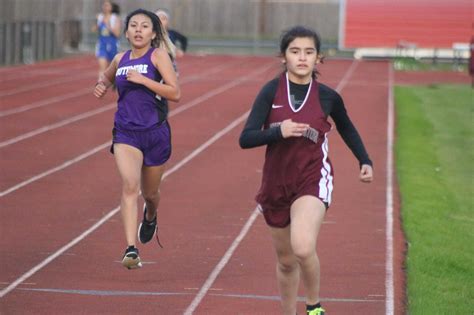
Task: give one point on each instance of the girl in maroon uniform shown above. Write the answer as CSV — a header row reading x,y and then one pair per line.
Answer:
x,y
290,116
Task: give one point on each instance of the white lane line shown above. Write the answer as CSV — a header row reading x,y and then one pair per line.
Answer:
x,y
111,213
213,139
45,262
110,106
218,268
57,125
389,276
32,74
222,295
55,169
47,83
88,90
225,259
389,279
45,102
347,75
98,148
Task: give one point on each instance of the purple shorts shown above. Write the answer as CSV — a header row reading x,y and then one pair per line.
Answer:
x,y
155,143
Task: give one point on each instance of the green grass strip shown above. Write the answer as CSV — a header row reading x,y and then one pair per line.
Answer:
x,y
435,166
412,64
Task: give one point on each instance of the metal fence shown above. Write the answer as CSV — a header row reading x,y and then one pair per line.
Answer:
x,y
32,30
25,42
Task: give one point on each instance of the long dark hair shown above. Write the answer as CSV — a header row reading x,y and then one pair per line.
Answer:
x,y
115,8
299,31
161,34
155,21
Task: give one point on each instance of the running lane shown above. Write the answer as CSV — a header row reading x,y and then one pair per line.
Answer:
x,y
206,203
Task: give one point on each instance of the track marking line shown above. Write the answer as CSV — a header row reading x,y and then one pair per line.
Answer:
x,y
31,74
114,211
88,90
389,278
143,262
346,76
105,293
47,83
58,124
55,169
225,295
44,102
108,143
224,260
218,268
58,253
113,105
222,263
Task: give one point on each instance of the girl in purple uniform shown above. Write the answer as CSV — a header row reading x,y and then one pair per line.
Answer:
x,y
108,29
145,81
290,116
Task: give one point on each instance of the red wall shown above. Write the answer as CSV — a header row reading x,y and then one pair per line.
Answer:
x,y
428,23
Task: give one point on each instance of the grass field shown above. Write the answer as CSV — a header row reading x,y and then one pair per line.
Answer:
x,y
435,167
412,64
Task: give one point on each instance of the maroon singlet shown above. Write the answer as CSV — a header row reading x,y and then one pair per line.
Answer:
x,y
295,166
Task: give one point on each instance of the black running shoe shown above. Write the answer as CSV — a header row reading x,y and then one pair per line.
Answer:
x,y
147,229
131,259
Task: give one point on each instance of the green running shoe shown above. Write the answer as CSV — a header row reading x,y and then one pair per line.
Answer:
x,y
316,311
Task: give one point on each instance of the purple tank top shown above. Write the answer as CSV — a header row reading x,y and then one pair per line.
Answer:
x,y
139,108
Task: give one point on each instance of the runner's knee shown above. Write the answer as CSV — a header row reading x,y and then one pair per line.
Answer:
x,y
287,263
130,188
151,197
303,252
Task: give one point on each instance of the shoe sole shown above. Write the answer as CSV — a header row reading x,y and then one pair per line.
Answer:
x,y
131,263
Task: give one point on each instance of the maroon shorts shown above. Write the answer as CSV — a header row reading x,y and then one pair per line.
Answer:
x,y
155,143
275,202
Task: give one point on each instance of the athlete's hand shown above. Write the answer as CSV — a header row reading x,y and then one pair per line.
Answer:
x,y
100,89
289,128
135,76
366,173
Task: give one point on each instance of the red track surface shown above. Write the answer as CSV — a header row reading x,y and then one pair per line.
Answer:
x,y
205,203
428,23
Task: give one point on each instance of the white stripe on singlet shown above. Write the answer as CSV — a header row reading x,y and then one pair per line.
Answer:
x,y
326,181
